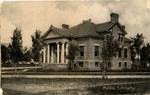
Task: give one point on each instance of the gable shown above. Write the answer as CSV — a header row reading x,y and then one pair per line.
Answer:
x,y
52,34
116,29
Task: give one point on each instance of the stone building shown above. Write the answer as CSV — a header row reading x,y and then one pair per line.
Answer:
x,y
90,38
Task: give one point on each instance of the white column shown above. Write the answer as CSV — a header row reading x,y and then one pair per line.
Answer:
x,y
62,52
44,54
57,52
52,59
67,51
48,53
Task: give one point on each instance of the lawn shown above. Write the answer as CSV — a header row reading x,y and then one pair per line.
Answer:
x,y
95,86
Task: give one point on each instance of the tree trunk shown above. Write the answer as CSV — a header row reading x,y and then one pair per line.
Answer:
x,y
104,76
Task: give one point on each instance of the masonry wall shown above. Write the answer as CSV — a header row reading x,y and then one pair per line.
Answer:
x,y
123,60
89,58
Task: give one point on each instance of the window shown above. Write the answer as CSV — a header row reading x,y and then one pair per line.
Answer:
x,y
96,50
109,64
81,64
107,36
42,56
96,64
119,52
120,38
125,52
125,64
81,50
119,64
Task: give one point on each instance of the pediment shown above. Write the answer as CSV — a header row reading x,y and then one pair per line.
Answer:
x,y
52,34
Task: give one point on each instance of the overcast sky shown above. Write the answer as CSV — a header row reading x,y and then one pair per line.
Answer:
x,y
29,16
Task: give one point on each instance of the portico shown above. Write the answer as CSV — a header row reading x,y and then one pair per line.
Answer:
x,y
55,52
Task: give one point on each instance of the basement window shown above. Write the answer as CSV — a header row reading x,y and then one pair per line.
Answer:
x,y
80,64
96,64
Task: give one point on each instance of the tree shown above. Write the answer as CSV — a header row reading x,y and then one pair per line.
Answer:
x,y
5,53
137,43
72,53
145,55
37,45
16,46
109,49
27,54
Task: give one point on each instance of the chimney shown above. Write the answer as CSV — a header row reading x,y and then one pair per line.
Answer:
x,y
114,17
65,26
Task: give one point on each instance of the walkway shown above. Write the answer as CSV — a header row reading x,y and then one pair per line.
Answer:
x,y
78,76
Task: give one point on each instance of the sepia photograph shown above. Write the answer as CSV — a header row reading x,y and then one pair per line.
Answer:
x,y
75,47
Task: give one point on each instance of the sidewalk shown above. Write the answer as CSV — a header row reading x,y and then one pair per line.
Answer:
x,y
12,68
78,76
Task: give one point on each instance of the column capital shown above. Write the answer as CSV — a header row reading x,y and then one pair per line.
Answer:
x,y
63,42
57,42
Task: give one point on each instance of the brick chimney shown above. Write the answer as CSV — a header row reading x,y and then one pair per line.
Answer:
x,y
65,26
114,17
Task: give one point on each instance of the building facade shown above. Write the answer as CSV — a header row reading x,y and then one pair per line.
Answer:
x,y
89,38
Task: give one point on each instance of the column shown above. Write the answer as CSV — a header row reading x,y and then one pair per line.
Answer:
x,y
52,59
67,51
48,53
62,52
44,55
58,52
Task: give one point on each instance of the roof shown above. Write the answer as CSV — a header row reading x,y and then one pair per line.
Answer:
x,y
104,26
87,28
127,40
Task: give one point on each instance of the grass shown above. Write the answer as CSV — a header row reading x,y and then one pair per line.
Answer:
x,y
25,86
15,92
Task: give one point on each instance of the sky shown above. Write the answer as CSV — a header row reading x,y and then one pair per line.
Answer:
x,y
30,16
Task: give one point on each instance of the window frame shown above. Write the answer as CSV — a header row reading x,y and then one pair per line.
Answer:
x,y
120,53
109,64
119,64
125,64
81,63
81,54
125,53
96,51
96,64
